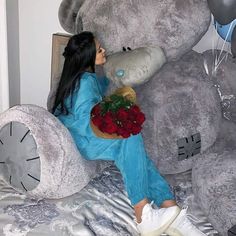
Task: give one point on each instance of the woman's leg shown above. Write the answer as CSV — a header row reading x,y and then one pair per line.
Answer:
x,y
142,180
159,189
138,209
132,163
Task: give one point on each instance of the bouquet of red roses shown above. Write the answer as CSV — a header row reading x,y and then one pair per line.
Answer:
x,y
119,115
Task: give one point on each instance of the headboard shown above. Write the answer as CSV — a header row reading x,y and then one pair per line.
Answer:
x,y
59,41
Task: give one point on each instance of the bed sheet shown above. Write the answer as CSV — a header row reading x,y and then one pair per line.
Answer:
x,y
101,208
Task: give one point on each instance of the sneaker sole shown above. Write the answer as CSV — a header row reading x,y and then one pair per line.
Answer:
x,y
174,232
162,229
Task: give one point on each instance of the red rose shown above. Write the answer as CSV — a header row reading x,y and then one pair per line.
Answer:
x,y
140,118
136,129
96,110
128,125
97,120
131,115
135,109
123,132
108,118
122,114
109,128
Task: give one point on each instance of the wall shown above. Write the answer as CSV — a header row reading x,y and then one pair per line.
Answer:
x,y
13,51
4,84
38,20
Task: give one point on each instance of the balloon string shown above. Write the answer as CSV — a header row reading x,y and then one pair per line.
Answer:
x,y
213,44
224,44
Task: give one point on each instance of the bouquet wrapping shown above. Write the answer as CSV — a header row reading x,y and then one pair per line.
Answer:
x,y
117,115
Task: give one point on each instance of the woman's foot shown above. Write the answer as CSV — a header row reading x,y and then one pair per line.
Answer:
x,y
183,227
156,221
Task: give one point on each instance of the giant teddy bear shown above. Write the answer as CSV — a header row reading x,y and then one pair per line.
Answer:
x,y
189,104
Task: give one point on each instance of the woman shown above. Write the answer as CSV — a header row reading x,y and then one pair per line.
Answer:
x,y
78,92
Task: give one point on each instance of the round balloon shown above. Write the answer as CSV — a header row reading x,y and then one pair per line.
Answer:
x,y
224,11
225,31
233,42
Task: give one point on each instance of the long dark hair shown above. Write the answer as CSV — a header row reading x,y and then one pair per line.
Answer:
x,y
80,55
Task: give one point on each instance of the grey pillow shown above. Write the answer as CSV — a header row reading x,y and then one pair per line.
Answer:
x,y
38,155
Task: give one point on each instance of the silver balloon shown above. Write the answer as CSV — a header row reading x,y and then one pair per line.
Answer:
x,y
224,11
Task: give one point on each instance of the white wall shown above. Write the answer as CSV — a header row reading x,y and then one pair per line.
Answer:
x,y
4,84
38,20
13,51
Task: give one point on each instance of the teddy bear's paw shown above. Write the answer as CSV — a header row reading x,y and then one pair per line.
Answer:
x,y
20,162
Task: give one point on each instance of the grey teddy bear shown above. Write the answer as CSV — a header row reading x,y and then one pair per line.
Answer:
x,y
184,102
190,108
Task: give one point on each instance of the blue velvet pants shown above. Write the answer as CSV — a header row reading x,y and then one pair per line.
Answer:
x,y
141,177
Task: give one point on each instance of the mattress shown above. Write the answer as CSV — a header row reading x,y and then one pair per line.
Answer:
x,y
101,208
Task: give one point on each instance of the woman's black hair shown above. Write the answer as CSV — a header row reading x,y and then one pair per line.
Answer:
x,y
80,55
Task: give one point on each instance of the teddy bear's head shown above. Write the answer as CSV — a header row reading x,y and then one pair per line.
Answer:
x,y
169,24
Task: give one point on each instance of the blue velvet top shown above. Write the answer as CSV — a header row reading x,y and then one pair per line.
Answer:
x,y
86,95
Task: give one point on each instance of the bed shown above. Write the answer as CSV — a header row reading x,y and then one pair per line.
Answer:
x,y
101,208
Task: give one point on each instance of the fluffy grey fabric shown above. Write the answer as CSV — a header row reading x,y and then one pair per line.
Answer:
x,y
222,75
214,180
178,102
170,24
67,14
63,170
134,67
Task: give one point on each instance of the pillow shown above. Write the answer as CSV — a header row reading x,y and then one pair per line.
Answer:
x,y
38,156
134,67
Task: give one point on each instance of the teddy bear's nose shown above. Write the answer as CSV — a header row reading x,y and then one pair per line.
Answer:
x,y
125,49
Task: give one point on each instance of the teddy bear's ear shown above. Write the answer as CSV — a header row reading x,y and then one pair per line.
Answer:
x,y
134,67
67,14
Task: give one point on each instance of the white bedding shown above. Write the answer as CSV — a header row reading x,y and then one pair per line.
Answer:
x,y
101,208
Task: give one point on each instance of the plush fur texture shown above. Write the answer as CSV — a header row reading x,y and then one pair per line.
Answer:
x,y
67,14
223,76
170,24
178,102
214,180
63,170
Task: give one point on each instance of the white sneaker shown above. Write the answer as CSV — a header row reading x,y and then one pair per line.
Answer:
x,y
156,221
183,227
